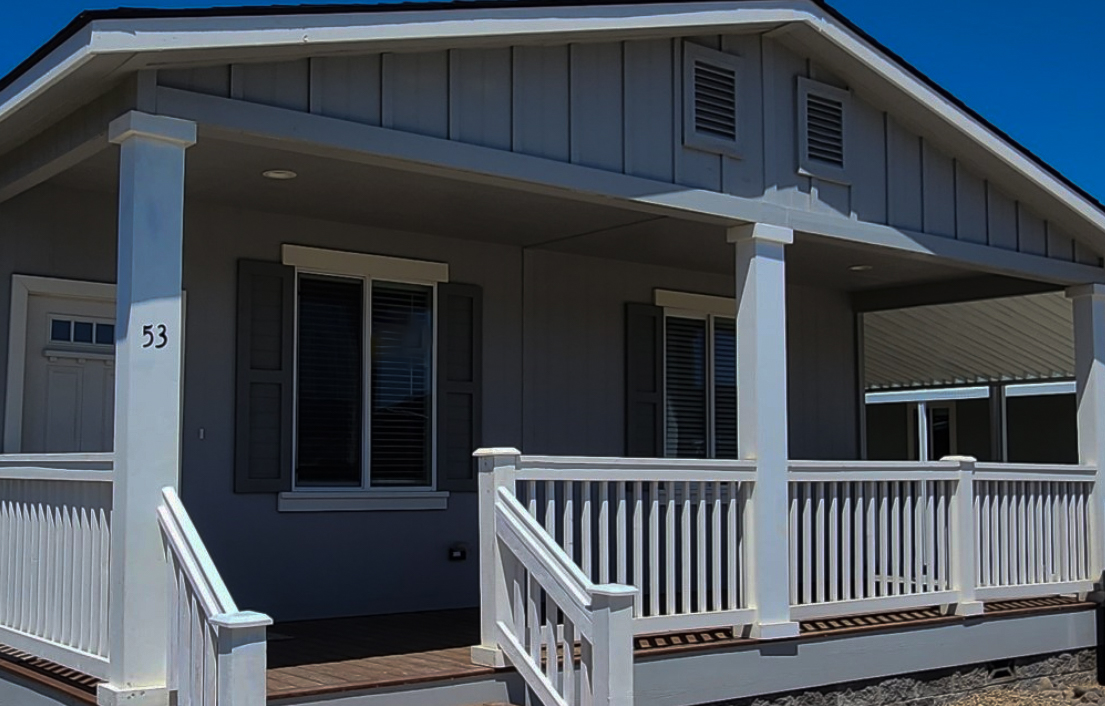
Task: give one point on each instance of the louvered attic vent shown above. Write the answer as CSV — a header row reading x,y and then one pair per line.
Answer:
x,y
710,99
825,129
715,100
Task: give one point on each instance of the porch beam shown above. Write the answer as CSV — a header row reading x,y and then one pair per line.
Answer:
x,y
946,292
762,417
147,399
1089,371
317,135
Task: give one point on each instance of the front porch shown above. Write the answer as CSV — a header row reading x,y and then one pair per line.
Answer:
x,y
396,658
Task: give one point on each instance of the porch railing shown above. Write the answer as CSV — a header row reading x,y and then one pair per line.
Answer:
x,y
216,653
55,538
863,537
550,615
672,528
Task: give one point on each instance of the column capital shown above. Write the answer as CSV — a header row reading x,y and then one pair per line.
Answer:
x,y
154,127
1095,290
761,231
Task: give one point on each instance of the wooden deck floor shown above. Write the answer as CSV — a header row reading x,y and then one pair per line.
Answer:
x,y
326,656
316,657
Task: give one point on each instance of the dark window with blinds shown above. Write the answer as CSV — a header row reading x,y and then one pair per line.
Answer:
x,y
402,368
333,369
330,392
700,387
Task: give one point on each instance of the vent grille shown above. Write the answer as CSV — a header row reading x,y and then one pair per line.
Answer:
x,y
825,129
715,100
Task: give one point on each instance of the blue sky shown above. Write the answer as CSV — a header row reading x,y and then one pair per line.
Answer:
x,y
1031,67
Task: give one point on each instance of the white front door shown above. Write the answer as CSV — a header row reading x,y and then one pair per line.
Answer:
x,y
69,377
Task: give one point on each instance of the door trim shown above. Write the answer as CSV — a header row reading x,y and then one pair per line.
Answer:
x,y
23,287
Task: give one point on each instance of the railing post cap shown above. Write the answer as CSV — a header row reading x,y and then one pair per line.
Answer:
x,y
963,461
614,595
241,619
503,451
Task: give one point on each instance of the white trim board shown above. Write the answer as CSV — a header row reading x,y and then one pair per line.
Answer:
x,y
1036,389
23,287
927,395
337,262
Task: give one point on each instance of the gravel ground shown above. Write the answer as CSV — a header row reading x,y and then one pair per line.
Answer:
x,y
1044,693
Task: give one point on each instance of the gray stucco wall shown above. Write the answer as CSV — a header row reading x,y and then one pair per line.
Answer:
x,y
565,323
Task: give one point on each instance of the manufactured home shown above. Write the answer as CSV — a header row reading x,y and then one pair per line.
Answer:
x,y
531,352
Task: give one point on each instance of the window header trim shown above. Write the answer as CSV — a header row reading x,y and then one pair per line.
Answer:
x,y
354,264
699,303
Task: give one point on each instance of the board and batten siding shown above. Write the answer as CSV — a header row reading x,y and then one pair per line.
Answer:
x,y
574,342
617,106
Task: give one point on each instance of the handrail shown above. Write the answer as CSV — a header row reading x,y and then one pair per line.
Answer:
x,y
185,543
217,657
585,468
541,610
538,553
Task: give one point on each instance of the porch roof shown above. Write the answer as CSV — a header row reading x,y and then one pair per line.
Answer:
x,y
1016,338
98,48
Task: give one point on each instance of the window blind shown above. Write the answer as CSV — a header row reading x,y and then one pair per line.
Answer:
x,y
402,371
685,360
329,411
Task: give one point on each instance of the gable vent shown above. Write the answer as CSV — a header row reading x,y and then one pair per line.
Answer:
x,y
715,100
825,129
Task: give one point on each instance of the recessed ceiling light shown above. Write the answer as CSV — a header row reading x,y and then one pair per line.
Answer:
x,y
861,268
279,174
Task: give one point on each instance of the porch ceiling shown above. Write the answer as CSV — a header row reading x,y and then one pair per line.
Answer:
x,y
1016,338
229,174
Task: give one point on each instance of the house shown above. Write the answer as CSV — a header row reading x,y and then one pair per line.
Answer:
x,y
520,333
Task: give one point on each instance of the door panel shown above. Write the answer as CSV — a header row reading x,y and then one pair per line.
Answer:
x,y
69,376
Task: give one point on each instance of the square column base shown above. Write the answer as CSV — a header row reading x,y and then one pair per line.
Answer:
x,y
774,631
108,695
966,608
488,656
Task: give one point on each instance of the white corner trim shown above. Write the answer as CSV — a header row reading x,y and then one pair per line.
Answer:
x,y
367,501
1033,389
699,303
23,286
353,264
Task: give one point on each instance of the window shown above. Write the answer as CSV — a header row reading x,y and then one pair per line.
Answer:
x,y
700,386
364,374
823,130
710,100
82,332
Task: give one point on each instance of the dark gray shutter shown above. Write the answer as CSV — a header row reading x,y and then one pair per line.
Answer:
x,y
459,384
263,420
644,392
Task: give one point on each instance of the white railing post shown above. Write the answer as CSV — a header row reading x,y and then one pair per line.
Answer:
x,y
612,653
964,539
762,418
496,470
242,658
1089,370
147,398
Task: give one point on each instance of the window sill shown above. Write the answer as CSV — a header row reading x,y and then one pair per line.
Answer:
x,y
362,501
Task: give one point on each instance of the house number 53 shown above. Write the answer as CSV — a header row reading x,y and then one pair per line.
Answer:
x,y
154,336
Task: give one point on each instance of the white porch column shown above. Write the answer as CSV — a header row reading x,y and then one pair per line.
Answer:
x,y
1089,370
147,398
762,417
